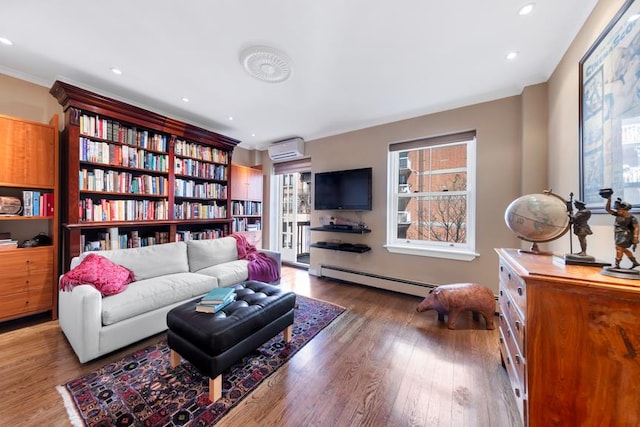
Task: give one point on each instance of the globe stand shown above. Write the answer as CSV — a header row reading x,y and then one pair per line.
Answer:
x,y
535,250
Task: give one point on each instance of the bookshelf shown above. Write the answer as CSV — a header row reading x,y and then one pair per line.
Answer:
x,y
28,173
133,177
246,203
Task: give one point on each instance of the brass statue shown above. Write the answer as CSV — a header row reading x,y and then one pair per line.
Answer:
x,y
626,228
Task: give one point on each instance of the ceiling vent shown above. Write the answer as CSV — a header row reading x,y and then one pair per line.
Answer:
x,y
287,149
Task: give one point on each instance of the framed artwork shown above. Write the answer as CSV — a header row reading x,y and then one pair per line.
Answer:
x,y
610,112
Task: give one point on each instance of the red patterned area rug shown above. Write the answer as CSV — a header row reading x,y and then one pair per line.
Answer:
x,y
143,390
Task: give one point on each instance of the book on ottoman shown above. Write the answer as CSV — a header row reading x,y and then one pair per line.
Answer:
x,y
208,308
218,295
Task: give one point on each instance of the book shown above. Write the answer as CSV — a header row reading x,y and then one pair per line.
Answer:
x,y
206,308
218,295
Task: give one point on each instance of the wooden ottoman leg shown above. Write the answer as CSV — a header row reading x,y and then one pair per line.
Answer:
x,y
288,334
175,358
215,388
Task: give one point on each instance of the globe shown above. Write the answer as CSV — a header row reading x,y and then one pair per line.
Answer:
x,y
538,218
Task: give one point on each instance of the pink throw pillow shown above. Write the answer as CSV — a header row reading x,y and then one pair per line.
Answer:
x,y
96,270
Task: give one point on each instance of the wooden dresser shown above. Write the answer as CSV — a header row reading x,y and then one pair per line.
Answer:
x,y
570,342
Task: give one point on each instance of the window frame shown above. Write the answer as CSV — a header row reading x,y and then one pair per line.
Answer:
x,y
457,251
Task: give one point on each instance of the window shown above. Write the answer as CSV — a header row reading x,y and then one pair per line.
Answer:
x,y
431,197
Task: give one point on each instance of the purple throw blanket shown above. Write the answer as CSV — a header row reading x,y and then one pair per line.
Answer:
x,y
261,267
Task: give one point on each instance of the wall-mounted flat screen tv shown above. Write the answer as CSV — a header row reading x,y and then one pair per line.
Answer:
x,y
343,190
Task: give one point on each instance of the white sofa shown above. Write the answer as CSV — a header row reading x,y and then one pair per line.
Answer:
x,y
166,276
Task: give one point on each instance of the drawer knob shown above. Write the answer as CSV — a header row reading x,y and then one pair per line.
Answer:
x,y
519,291
501,340
518,325
501,268
501,294
517,359
517,390
509,276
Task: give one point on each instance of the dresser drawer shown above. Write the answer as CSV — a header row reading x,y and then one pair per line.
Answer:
x,y
516,382
517,358
513,319
516,287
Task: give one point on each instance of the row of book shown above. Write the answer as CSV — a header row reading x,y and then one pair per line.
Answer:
x,y
207,234
207,190
123,210
246,208
121,182
36,203
112,130
121,155
215,300
190,210
114,239
242,224
200,170
201,152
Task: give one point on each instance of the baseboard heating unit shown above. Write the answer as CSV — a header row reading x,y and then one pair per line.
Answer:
x,y
383,282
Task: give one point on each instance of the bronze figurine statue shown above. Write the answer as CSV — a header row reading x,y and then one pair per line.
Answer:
x,y
581,226
626,228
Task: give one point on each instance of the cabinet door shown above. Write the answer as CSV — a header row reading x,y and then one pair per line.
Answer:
x,y
40,265
239,182
13,265
254,190
27,153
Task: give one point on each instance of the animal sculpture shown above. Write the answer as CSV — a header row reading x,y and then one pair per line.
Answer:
x,y
453,299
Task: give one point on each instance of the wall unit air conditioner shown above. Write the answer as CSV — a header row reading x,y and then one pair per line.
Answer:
x,y
287,149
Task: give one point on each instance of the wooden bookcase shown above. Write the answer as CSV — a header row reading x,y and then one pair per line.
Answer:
x,y
29,165
246,203
133,177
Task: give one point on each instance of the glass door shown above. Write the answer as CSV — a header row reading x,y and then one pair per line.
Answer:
x,y
294,216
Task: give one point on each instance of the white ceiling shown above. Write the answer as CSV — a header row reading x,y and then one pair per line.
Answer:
x,y
356,63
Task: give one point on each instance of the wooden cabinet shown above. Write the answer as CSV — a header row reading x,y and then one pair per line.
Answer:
x,y
29,172
246,202
569,340
134,178
27,284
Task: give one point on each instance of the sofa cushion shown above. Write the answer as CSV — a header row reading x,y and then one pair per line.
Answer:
x,y
206,253
229,273
147,295
104,275
149,261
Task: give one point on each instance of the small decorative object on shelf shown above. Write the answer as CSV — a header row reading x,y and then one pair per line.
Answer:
x,y
626,231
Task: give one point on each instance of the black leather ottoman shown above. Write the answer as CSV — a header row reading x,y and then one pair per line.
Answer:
x,y
214,342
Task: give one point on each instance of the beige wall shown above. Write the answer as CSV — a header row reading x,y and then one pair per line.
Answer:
x,y
563,130
28,101
499,152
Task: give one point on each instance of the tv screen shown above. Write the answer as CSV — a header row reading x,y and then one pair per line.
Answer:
x,y
343,190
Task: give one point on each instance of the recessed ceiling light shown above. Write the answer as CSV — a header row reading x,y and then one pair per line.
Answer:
x,y
185,99
512,55
116,71
253,134
526,9
230,117
6,41
633,17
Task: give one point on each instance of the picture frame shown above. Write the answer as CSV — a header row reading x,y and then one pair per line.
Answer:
x,y
609,112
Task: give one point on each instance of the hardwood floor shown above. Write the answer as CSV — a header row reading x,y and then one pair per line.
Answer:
x,y
379,364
